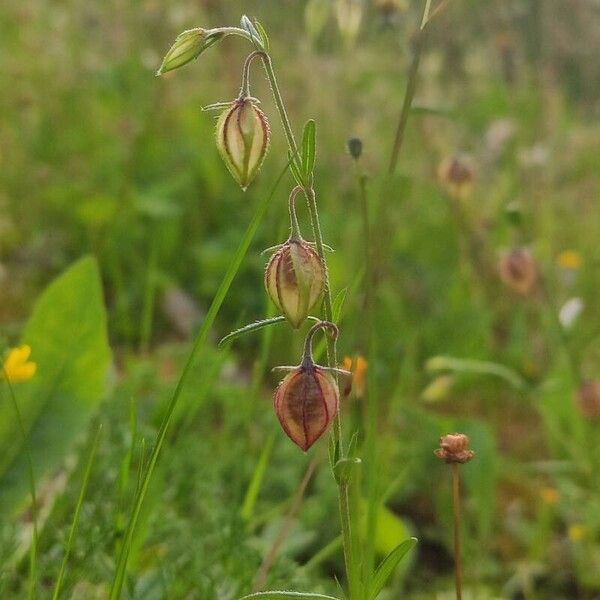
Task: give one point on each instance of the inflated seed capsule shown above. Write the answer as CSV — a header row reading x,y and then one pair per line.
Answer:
x,y
243,139
518,271
295,274
307,399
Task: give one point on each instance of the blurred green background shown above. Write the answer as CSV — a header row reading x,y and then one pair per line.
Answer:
x,y
97,156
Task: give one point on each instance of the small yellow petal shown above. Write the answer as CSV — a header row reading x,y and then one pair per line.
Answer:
x,y
16,367
576,532
569,259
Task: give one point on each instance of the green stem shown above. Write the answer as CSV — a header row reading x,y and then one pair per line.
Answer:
x,y
344,504
34,516
411,86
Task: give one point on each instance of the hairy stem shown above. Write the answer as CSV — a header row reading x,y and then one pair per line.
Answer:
x,y
309,193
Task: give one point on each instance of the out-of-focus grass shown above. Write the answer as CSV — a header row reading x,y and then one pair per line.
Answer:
x,y
98,155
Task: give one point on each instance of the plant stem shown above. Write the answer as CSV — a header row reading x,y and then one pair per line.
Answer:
x,y
32,594
411,86
456,503
309,192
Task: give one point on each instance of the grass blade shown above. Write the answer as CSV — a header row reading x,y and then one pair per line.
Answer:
x,y
82,493
386,568
251,327
119,578
288,596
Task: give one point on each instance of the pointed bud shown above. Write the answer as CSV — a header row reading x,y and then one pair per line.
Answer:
x,y
188,46
307,399
518,271
295,279
243,139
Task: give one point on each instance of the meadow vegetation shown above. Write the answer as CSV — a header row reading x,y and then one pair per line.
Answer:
x,y
453,168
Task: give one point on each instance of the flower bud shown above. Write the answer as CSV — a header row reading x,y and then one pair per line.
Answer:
x,y
294,279
454,448
518,270
307,399
243,139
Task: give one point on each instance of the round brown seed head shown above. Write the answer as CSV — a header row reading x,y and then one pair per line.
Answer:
x,y
456,175
454,448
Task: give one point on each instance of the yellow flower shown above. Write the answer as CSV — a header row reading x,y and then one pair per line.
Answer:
x,y
576,532
17,366
569,259
358,367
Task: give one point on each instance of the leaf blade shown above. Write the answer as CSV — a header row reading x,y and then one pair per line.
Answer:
x,y
388,565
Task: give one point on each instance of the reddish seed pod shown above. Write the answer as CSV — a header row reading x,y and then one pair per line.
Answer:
x,y
518,271
305,402
307,399
243,139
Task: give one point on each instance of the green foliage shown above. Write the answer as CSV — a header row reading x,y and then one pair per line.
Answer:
x,y
67,334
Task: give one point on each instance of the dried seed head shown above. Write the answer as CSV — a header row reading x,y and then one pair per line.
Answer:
x,y
307,399
454,448
518,270
456,176
243,139
294,279
587,399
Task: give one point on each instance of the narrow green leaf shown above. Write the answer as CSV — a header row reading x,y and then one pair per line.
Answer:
x,y
71,538
481,367
288,596
122,561
251,327
346,469
308,147
263,35
247,25
388,565
338,304
257,478
294,169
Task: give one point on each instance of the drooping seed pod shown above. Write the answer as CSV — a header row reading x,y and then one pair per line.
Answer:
x,y
456,175
307,399
587,399
295,274
518,270
243,136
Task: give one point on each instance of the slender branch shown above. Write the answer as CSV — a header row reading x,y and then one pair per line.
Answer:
x,y
245,89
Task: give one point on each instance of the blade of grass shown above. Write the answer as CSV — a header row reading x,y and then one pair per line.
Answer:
x,y
82,493
119,578
34,543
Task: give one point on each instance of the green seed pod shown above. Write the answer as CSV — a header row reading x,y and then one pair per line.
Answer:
x,y
294,279
243,139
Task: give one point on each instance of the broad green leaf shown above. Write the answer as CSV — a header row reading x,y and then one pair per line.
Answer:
x,y
67,335
388,565
308,147
288,596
